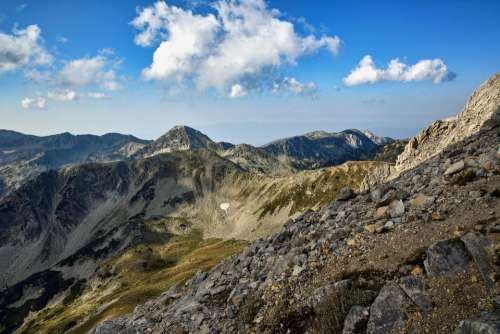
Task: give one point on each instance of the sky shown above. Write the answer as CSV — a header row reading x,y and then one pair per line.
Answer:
x,y
241,70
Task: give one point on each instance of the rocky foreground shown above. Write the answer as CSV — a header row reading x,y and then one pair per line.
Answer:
x,y
417,254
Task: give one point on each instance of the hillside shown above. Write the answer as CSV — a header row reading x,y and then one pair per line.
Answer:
x,y
417,253
23,157
73,235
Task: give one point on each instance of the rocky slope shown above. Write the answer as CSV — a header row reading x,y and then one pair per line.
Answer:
x,y
416,254
481,111
161,215
22,157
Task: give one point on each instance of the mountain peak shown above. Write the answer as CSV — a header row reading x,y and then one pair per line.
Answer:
x,y
178,138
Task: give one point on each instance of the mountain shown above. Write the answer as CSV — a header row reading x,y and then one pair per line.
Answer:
x,y
319,148
23,157
64,232
415,253
179,138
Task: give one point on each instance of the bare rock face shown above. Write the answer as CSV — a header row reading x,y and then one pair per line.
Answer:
x,y
481,111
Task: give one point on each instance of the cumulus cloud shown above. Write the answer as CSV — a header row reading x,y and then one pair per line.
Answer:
x,y
236,43
237,91
98,96
294,86
427,69
89,71
65,95
34,103
24,47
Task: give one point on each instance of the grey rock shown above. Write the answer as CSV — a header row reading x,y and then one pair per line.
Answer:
x,y
356,320
483,254
320,294
488,323
414,288
345,194
446,258
388,309
455,168
396,208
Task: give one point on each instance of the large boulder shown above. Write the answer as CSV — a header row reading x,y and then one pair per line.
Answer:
x,y
446,258
388,310
483,254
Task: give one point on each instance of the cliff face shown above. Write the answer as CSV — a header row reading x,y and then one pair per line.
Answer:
x,y
481,111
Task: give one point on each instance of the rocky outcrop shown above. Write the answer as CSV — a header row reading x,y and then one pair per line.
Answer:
x,y
482,110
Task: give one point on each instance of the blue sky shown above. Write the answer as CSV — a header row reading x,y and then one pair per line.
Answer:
x,y
82,69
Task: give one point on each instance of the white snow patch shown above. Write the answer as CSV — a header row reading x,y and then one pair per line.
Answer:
x,y
225,207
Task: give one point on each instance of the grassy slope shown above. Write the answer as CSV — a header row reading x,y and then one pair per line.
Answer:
x,y
147,270
132,278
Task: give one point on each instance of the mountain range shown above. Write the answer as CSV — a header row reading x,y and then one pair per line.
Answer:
x,y
23,157
114,234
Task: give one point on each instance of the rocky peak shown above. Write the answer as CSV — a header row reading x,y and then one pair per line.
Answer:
x,y
481,111
179,138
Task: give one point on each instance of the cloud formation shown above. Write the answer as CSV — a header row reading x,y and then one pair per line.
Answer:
x,y
232,46
294,86
89,71
65,95
427,69
24,47
237,91
34,103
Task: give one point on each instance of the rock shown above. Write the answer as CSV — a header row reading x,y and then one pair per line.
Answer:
x,y
381,212
422,201
396,208
376,194
372,228
297,270
487,323
386,227
345,194
455,168
446,258
387,198
322,293
355,322
388,310
414,288
437,216
483,254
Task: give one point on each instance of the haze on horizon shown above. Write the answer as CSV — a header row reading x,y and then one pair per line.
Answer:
x,y
241,71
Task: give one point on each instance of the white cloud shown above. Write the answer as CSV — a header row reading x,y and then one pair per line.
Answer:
x,y
61,39
34,103
65,95
97,95
427,69
237,91
294,86
89,71
22,48
239,42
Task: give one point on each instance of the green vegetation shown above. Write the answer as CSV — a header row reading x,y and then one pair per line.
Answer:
x,y
137,275
316,188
